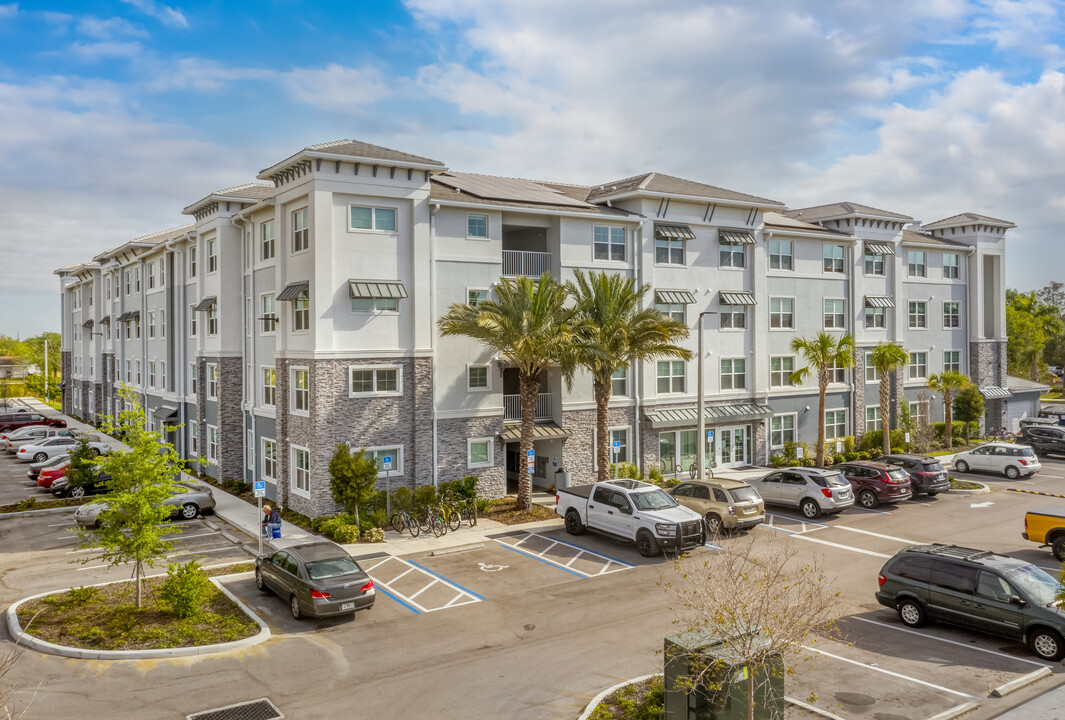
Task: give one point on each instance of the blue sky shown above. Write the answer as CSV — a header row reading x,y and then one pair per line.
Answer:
x,y
115,115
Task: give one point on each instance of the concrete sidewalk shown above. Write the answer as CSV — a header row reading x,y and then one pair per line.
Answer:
x,y
1048,706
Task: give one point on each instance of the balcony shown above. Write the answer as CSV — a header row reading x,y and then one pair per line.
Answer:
x,y
526,262
512,408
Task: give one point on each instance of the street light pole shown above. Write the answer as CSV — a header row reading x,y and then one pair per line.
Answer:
x,y
701,419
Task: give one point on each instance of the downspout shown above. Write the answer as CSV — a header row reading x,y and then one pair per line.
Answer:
x,y
432,336
177,331
637,372
144,334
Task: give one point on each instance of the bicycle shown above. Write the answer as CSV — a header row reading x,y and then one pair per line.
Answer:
x,y
431,520
402,520
693,471
452,516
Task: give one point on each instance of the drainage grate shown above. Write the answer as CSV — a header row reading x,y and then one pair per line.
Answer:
x,y
261,709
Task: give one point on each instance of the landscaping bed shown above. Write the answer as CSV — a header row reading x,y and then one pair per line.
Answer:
x,y
964,485
503,511
35,504
644,700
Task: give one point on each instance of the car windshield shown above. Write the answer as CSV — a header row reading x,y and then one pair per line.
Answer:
x,y
744,494
653,500
1040,587
331,568
830,480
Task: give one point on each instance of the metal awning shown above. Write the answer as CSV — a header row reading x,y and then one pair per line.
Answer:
x,y
206,303
541,431
165,413
879,301
132,315
376,289
124,317
666,230
294,290
87,324
714,414
105,319
674,297
744,237
738,298
993,392
874,248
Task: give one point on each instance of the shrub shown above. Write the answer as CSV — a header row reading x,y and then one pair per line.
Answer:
x,y
318,522
655,475
625,470
402,499
346,534
236,487
850,457
330,526
426,495
848,444
897,450
81,595
373,535
482,505
186,589
376,518
776,461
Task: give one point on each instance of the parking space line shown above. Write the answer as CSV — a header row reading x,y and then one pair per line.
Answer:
x,y
953,642
591,552
879,535
181,553
889,672
408,601
552,563
444,580
580,553
434,582
376,565
381,587
802,536
878,512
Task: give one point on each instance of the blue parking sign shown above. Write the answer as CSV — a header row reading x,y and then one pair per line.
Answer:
x,y
260,485
531,453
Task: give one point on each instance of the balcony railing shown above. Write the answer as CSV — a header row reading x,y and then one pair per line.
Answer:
x,y
512,408
524,262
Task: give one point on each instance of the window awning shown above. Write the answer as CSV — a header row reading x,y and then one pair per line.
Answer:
x,y
132,315
541,431
87,324
879,301
738,298
674,231
206,303
376,289
714,414
743,237
879,248
294,290
105,319
165,413
992,392
674,297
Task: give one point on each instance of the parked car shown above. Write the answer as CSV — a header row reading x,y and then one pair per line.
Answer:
x,y
35,468
12,421
50,475
926,473
1010,459
812,490
724,504
1046,526
41,451
33,433
1055,370
874,483
975,589
1045,439
186,502
61,487
318,579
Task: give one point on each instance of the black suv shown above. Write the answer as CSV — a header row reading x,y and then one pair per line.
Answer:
x,y
926,473
1044,439
975,589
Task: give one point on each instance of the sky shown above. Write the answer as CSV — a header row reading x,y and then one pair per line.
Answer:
x,y
115,115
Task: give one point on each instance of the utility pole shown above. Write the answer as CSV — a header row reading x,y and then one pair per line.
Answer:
x,y
46,370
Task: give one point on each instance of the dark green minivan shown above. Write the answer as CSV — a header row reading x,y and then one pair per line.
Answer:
x,y
976,589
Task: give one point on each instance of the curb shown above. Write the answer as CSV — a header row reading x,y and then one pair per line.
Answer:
x,y
1035,492
1012,685
26,640
956,711
456,549
46,511
983,490
812,708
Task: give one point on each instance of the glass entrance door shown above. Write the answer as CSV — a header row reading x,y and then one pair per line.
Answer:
x,y
734,446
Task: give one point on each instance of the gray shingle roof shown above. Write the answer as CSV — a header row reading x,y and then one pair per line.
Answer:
x,y
967,219
357,149
657,182
567,194
909,236
1022,385
843,209
779,221
247,191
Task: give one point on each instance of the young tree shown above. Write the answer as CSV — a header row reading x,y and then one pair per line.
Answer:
x,y
948,383
822,353
969,406
134,520
353,479
82,467
887,358
763,600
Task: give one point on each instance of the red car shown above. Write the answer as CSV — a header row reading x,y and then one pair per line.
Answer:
x,y
14,421
874,483
49,474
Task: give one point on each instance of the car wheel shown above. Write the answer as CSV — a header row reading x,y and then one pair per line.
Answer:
x,y
912,614
189,511
1046,644
1011,472
713,525
96,452
961,466
40,457
294,606
1058,548
646,544
76,492
868,499
574,526
260,582
810,509
933,494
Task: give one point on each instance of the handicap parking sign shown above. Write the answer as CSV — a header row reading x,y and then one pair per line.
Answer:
x,y
531,453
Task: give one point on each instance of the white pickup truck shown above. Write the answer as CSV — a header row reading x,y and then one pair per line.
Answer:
x,y
631,510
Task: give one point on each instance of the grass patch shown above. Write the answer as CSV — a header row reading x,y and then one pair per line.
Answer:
x,y
644,700
33,503
503,511
964,485
105,618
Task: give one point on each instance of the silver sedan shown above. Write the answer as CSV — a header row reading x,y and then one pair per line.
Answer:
x,y
186,502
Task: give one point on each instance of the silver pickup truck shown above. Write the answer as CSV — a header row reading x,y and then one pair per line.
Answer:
x,y
631,510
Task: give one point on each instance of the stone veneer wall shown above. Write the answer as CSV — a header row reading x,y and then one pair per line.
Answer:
x,y
988,367
579,449
452,453
760,429
201,417
230,418
68,386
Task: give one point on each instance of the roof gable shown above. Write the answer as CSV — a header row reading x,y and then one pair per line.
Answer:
x,y
844,209
968,218
662,184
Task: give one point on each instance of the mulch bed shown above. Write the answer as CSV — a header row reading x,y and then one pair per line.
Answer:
x,y
503,511
35,504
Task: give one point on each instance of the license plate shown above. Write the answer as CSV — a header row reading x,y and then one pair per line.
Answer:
x,y
845,494
347,606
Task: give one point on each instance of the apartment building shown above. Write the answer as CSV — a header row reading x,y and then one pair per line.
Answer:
x,y
300,311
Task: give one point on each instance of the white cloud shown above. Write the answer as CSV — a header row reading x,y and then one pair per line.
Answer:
x,y
336,87
109,29
203,75
163,13
9,10
91,52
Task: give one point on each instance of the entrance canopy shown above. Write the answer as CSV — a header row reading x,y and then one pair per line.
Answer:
x,y
714,414
541,431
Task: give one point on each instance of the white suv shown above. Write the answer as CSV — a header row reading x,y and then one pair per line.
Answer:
x,y
1010,459
812,490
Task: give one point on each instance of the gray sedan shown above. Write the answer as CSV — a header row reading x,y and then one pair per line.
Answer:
x,y
186,501
317,578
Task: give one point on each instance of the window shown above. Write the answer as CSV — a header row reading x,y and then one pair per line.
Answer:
x,y
476,296
192,378
137,328
780,255
951,267
782,430
137,364
194,438
477,377
781,313
269,313
151,373
479,452
780,370
301,234
674,311
835,424
212,255
951,361
918,412
192,320
379,454
301,313
875,317
669,251
916,263
212,381
151,275
918,314
619,382
162,375
670,376
162,323
609,243
874,262
107,288
151,324
871,373
301,391
374,304
266,240
621,453
833,257
129,371
301,470
835,318
733,316
872,419
837,374
212,444
212,319
951,314
377,380
137,279
192,261
918,365
477,226
733,374
733,254
269,386
269,459
129,282
369,218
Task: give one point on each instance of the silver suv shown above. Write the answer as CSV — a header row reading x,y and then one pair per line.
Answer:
x,y
812,490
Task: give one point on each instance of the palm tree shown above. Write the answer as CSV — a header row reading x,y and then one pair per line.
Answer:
x,y
947,382
887,358
530,327
615,333
822,353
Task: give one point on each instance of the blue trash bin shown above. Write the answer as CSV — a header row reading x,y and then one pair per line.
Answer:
x,y
275,531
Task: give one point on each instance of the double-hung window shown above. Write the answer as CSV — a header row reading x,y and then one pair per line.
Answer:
x,y
951,314
301,390
129,282
918,314
835,424
212,319
780,370
194,438
212,255
151,373
674,311
151,275
833,257
619,382
137,364
874,262
781,255
301,234
781,313
212,381
916,266
192,320
269,459
872,375
670,376
373,218
733,254
733,374
192,261
151,324
669,251
376,381
835,314
837,373
875,317
269,313
951,266
192,378
301,313
301,470
733,316
782,430
269,386
267,247
609,242
872,418
952,360
212,444
918,365
477,226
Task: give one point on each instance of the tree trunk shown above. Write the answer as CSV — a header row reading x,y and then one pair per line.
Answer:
x,y
530,390
137,572
822,388
948,416
750,692
885,411
602,434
